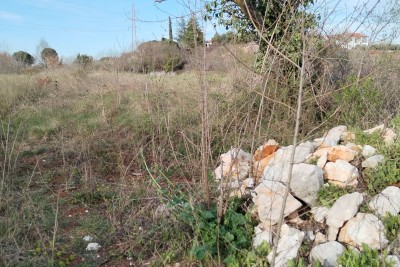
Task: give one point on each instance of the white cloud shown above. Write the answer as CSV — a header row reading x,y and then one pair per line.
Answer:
x,y
10,16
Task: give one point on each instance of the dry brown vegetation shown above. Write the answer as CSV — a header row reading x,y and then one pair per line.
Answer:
x,y
95,150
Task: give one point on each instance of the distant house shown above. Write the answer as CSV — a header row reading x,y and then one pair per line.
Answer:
x,y
350,40
209,43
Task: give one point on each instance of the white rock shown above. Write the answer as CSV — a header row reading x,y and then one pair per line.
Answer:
x,y
368,151
378,128
272,142
341,153
327,253
348,136
283,154
268,200
332,233
234,163
161,212
310,235
245,188
372,162
261,236
87,238
288,245
341,173
393,259
319,213
320,238
354,147
93,247
332,137
306,180
322,160
342,210
386,201
388,134
364,228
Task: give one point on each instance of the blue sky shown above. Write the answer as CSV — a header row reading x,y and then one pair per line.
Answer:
x,y
96,28
103,27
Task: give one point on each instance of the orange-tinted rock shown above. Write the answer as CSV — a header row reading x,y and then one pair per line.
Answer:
x,y
341,152
259,166
264,151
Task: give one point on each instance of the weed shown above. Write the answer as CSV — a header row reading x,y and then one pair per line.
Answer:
x,y
386,174
327,195
368,257
392,226
230,239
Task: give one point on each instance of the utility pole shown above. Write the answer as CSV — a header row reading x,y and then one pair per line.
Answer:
x,y
133,26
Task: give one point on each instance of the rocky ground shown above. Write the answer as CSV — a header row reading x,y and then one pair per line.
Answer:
x,y
354,220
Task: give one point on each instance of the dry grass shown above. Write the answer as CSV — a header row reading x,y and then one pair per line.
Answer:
x,y
118,144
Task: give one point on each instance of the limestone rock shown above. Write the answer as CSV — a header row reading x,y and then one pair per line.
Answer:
x,y
348,136
264,151
368,151
327,253
322,160
93,247
364,228
320,238
288,245
342,153
342,210
161,212
262,235
245,188
354,147
87,238
372,162
259,166
388,134
386,201
341,173
319,213
303,151
332,137
234,164
306,180
394,259
268,199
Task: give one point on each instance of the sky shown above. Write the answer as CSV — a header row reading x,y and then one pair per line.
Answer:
x,y
104,27
93,27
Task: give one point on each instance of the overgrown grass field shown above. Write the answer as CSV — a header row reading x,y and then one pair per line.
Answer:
x,y
95,152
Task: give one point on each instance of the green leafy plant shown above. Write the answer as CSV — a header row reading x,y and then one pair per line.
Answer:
x,y
368,257
230,239
392,226
327,195
359,101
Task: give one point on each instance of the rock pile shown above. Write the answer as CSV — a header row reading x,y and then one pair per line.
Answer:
x,y
331,160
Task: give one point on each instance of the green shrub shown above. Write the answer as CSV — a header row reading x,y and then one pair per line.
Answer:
x,y
360,102
83,59
392,226
368,257
24,58
388,172
231,239
327,195
157,56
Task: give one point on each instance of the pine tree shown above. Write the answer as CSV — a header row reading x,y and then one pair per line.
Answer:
x,y
190,34
171,37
